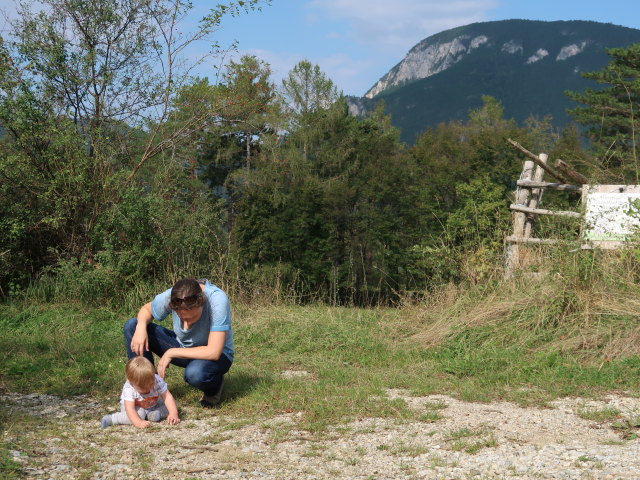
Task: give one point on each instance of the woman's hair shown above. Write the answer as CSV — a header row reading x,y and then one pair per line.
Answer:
x,y
141,372
186,293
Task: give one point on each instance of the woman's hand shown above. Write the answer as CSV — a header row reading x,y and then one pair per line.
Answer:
x,y
164,362
140,341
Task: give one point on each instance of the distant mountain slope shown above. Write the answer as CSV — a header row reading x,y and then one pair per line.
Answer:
x,y
525,64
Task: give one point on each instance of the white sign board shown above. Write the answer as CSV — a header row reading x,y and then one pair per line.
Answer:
x,y
609,215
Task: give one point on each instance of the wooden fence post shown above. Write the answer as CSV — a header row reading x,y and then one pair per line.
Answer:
x,y
528,196
536,195
519,218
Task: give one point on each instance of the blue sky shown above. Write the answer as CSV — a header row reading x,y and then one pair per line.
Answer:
x,y
355,42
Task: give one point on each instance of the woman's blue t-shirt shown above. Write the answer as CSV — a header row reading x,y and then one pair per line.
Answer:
x,y
216,317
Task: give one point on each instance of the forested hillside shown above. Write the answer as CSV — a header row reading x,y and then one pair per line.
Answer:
x,y
527,65
119,168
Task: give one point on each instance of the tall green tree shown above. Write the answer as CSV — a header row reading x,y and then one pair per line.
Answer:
x,y
457,152
308,92
338,217
611,114
248,115
252,103
87,89
308,89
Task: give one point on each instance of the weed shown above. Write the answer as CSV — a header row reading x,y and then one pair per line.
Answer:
x,y
409,450
464,440
437,461
332,456
472,447
461,433
605,414
407,469
236,424
613,442
279,434
9,468
213,439
364,430
430,417
593,463
342,430
143,458
627,428
439,405
314,450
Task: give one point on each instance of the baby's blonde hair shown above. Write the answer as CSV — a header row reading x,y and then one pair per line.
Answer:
x,y
140,371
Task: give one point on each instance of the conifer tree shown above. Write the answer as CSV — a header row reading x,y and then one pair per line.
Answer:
x,y
308,91
611,113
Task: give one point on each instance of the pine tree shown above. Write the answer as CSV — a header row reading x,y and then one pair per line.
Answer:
x,y
610,113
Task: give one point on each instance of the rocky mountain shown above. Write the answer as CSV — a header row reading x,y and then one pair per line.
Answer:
x,y
526,64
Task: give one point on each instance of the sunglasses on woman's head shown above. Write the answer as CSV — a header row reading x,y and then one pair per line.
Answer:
x,y
186,303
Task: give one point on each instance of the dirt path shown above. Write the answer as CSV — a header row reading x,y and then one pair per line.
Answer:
x,y
455,440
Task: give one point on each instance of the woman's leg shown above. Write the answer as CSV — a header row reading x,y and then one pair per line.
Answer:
x,y
206,375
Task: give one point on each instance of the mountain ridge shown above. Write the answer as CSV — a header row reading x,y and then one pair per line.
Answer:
x,y
525,64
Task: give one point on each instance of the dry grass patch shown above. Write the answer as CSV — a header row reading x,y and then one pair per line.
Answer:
x,y
465,311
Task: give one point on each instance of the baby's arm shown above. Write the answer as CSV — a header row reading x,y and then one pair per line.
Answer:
x,y
130,408
170,403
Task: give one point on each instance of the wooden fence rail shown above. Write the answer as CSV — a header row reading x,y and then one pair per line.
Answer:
x,y
529,191
542,211
551,186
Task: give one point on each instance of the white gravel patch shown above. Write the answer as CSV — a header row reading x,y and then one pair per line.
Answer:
x,y
465,441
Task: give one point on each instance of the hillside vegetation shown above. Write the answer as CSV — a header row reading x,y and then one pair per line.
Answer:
x,y
527,65
269,190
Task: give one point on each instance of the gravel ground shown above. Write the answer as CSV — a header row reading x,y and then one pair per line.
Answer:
x,y
456,440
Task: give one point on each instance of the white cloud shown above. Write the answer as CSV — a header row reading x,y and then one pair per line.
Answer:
x,y
345,71
279,62
397,25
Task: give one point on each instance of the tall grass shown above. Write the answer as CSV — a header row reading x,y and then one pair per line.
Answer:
x,y
576,320
571,330
91,285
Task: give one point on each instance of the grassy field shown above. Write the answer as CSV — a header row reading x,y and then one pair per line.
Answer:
x,y
479,343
